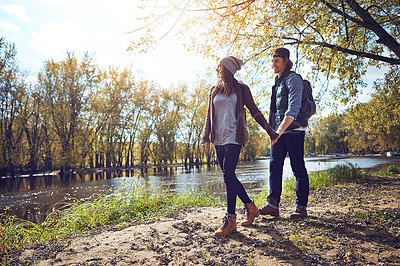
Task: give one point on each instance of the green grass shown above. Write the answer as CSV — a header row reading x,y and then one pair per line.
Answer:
x,y
392,170
338,174
382,217
132,204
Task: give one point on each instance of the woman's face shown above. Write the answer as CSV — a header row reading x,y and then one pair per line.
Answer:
x,y
220,71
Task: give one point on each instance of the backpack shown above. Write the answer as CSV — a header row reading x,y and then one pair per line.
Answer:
x,y
310,105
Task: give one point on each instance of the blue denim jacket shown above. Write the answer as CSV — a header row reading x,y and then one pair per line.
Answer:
x,y
296,86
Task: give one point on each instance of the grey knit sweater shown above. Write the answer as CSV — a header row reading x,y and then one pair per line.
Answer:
x,y
244,98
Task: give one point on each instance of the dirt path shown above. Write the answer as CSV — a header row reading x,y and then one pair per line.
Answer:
x,y
351,224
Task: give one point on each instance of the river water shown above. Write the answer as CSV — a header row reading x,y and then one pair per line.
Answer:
x,y
31,197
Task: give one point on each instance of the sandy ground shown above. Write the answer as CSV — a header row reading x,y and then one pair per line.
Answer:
x,y
352,224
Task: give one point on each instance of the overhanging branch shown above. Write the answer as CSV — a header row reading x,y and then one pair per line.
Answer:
x,y
345,15
385,38
223,7
389,60
367,22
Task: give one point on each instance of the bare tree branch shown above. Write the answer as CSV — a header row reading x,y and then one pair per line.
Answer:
x,y
385,37
340,12
389,60
173,26
223,7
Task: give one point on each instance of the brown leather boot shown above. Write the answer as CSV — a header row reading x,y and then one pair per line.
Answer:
x,y
251,213
228,225
271,208
298,213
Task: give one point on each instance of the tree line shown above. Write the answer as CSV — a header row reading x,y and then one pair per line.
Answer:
x,y
77,115
371,127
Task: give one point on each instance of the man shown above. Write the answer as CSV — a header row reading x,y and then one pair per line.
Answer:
x,y
287,116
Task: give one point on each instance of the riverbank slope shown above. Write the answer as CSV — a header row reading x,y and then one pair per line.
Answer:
x,y
356,223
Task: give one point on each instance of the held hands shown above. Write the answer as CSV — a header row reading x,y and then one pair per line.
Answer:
x,y
206,146
282,127
279,132
273,141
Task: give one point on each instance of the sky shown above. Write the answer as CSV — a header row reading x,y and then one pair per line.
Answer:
x,y
46,29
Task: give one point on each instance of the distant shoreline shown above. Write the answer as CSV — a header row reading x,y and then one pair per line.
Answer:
x,y
145,168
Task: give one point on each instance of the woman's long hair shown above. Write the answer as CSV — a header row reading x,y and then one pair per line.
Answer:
x,y
226,83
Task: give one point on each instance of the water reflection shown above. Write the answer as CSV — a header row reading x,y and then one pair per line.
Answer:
x,y
31,197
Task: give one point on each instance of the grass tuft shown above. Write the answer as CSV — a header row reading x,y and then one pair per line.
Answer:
x,y
338,174
392,170
382,217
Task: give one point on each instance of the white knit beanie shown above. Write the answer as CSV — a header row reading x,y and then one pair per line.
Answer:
x,y
232,63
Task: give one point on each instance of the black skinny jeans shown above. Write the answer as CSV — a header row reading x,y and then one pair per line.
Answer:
x,y
228,156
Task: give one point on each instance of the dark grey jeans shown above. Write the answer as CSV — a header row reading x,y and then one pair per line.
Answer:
x,y
291,143
228,156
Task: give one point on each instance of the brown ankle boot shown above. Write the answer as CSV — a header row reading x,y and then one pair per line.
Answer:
x,y
228,225
251,213
298,214
270,208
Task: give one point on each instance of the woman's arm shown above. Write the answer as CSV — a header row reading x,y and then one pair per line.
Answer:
x,y
256,113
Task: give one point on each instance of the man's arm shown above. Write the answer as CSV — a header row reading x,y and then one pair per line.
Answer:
x,y
287,120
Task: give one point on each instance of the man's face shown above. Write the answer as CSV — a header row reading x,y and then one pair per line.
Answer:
x,y
278,65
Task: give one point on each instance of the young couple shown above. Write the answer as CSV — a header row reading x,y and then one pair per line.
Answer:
x,y
225,128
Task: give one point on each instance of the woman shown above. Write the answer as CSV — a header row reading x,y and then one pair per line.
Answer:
x,y
225,128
